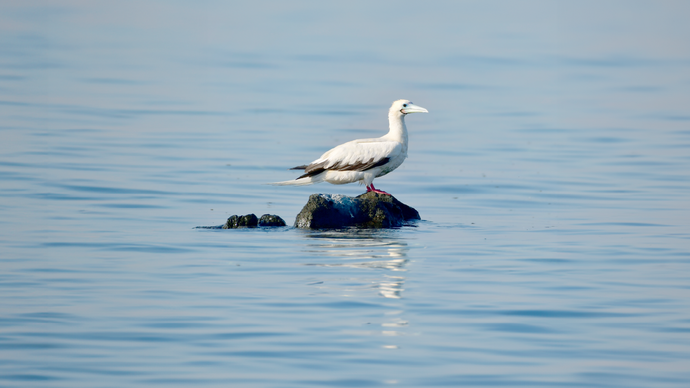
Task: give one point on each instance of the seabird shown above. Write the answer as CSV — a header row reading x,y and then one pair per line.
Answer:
x,y
365,159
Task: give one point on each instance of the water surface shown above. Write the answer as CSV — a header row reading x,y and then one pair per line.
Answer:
x,y
552,174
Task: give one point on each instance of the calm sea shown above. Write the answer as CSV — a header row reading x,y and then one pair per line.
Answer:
x,y
552,173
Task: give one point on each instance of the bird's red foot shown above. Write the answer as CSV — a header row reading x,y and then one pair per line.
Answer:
x,y
374,189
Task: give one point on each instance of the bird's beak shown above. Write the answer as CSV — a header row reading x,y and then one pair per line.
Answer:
x,y
412,108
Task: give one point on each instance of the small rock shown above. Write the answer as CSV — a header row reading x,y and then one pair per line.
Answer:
x,y
248,221
271,220
369,210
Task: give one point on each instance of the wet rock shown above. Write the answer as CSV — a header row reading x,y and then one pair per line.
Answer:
x,y
248,221
271,220
369,210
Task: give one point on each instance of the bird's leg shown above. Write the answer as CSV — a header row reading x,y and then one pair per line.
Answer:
x,y
374,189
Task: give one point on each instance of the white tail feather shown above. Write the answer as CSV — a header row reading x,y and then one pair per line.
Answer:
x,y
300,182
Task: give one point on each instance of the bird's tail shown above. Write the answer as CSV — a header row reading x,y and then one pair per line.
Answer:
x,y
309,180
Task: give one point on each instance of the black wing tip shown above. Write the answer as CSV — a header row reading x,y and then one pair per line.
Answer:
x,y
304,167
311,173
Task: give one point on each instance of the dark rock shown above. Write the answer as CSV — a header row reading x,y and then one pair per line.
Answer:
x,y
369,210
248,221
271,220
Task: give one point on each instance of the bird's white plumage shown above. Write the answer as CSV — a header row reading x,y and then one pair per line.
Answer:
x,y
365,159
359,152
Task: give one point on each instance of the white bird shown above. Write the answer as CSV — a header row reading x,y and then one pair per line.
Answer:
x,y
365,159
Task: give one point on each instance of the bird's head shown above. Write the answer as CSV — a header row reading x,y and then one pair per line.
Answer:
x,y
405,107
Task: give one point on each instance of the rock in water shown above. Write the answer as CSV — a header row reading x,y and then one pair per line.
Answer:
x,y
271,220
248,221
369,210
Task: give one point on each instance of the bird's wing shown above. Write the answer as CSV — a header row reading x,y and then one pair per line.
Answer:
x,y
357,155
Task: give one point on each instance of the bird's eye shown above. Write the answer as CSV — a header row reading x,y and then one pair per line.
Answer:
x,y
404,105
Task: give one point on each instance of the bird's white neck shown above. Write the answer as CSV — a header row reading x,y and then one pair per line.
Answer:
x,y
397,129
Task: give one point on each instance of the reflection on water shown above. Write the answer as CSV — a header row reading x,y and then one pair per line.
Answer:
x,y
365,250
354,254
393,288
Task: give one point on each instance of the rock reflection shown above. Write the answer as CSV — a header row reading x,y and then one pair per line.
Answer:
x,y
363,249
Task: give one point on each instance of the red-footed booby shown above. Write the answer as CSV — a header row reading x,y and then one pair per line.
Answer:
x,y
365,159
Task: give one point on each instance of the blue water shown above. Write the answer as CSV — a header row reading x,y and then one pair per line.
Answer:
x,y
552,173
